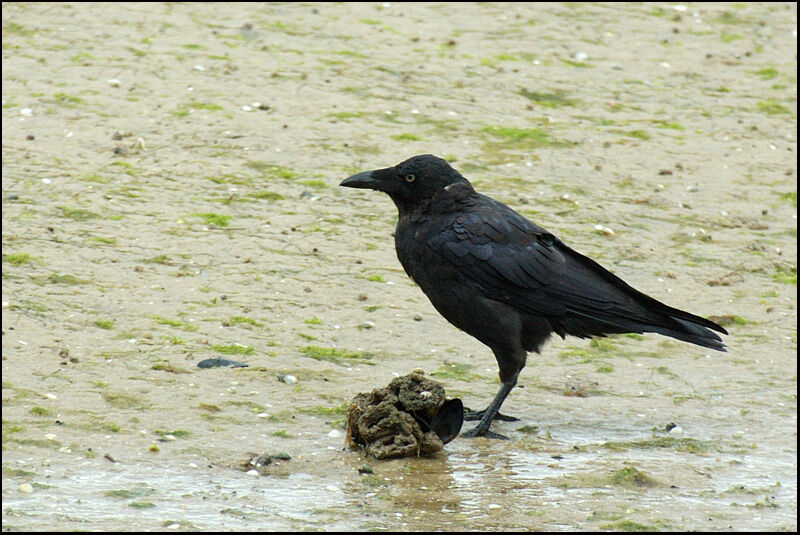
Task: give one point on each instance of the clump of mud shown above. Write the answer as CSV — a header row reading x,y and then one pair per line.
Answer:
x,y
409,417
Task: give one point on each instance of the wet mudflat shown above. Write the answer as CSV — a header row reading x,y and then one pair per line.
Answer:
x,y
170,196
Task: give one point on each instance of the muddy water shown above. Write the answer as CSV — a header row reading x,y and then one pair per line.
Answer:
x,y
170,195
549,487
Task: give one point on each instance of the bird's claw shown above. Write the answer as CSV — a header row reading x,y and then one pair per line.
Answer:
x,y
476,432
474,416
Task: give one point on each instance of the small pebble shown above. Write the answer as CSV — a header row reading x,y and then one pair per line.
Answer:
x,y
25,488
261,460
495,506
213,363
335,433
114,82
253,473
26,112
677,430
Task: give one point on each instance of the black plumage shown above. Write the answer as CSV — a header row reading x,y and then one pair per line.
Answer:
x,y
507,281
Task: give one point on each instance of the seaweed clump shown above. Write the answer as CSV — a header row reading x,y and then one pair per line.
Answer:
x,y
409,417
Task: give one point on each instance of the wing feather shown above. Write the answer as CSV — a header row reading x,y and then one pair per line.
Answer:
x,y
514,261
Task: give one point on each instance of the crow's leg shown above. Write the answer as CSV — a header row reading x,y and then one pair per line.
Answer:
x,y
473,416
482,429
502,330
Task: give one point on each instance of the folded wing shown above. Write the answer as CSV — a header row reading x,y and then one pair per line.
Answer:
x,y
512,260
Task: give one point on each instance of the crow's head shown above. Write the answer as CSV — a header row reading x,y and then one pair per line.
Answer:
x,y
411,182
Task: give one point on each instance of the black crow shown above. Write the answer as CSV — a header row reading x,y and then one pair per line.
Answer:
x,y
507,281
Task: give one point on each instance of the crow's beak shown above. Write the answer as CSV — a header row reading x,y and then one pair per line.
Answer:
x,y
363,180
367,179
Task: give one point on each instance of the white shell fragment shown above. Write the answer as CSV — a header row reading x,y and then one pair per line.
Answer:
x,y
605,231
288,379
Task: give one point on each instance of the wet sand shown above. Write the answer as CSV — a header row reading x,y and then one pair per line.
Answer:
x,y
170,195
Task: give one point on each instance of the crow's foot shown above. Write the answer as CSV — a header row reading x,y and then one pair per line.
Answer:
x,y
473,416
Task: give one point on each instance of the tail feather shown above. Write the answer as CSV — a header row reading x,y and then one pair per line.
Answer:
x,y
634,311
678,328
697,334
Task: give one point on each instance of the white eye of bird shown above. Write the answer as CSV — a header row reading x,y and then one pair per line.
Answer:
x,y
410,177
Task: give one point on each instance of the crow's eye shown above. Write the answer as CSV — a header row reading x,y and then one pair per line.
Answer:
x,y
410,177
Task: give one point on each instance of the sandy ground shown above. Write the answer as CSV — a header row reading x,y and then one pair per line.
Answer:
x,y
170,194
